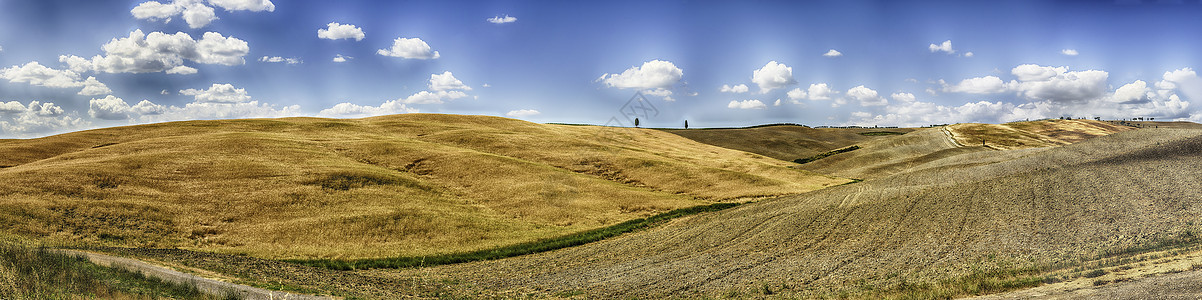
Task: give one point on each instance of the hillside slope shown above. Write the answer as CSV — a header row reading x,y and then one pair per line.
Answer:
x,y
786,142
957,144
1051,205
414,184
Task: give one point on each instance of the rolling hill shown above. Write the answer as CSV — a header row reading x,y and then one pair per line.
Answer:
x,y
968,227
414,184
787,142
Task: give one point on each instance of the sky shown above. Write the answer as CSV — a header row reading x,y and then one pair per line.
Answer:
x,y
75,65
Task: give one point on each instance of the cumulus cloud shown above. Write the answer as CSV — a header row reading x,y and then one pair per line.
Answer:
x,y
968,54
195,12
251,5
1029,72
773,76
866,96
411,48
214,110
145,107
819,91
182,70
35,118
746,104
740,88
1186,80
427,97
522,113
978,85
945,47
1135,92
158,52
652,74
903,97
108,108
337,31
502,20
1069,52
339,58
796,94
35,73
1058,84
218,93
347,109
277,59
446,81
833,53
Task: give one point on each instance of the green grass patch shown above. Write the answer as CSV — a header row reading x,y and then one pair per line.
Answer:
x,y
825,154
570,240
881,133
41,273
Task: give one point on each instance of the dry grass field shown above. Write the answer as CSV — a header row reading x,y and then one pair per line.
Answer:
x,y
415,184
962,229
786,142
1031,134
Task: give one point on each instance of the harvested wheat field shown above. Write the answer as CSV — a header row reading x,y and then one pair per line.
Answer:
x,y
415,184
961,229
787,142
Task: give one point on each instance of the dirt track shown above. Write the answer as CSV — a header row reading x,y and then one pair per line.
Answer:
x,y
205,285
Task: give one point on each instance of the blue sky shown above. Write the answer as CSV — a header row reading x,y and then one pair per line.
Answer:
x,y
72,65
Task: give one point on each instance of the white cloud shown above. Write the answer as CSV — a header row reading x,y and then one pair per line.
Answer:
x,y
35,118
198,15
108,108
427,97
251,5
182,70
945,47
521,113
195,12
148,108
796,94
35,73
1069,52
747,104
741,88
773,76
413,48
347,109
653,74
446,81
777,103
158,52
277,59
866,96
903,97
978,85
92,87
1135,92
164,92
1187,81
218,93
968,54
502,20
819,91
833,53
336,31
1057,84
339,58
1031,72
214,110
659,93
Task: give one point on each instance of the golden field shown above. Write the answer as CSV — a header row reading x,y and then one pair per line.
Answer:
x,y
415,184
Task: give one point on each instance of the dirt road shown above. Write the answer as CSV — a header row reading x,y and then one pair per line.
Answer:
x,y
205,285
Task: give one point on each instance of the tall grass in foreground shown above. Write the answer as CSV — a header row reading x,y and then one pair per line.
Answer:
x,y
570,240
41,273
